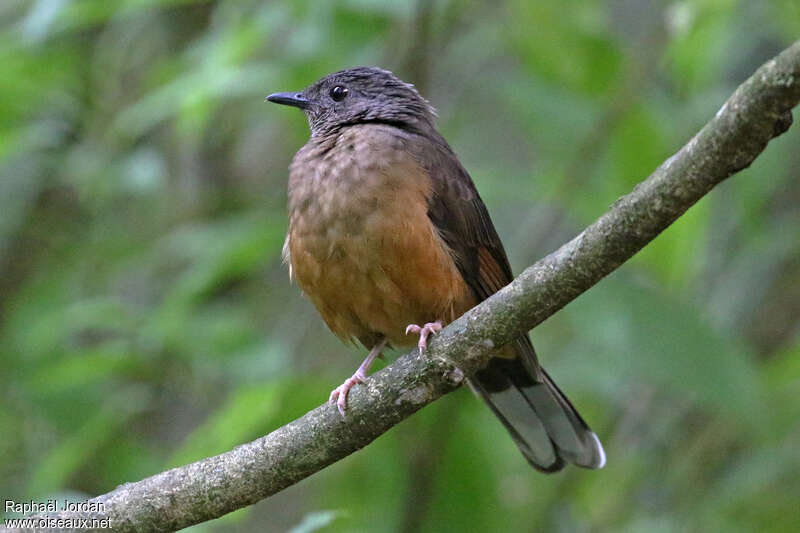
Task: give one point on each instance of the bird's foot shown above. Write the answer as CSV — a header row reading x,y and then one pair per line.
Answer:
x,y
428,329
339,394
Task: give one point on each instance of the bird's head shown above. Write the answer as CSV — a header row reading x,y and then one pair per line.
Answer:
x,y
359,95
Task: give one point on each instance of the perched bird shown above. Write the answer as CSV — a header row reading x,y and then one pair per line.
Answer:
x,y
388,237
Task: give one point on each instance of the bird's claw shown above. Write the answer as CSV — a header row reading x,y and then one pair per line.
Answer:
x,y
339,394
428,329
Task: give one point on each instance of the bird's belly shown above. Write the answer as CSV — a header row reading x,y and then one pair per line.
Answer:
x,y
374,264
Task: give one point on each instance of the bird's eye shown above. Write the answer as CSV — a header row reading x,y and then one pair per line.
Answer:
x,y
338,93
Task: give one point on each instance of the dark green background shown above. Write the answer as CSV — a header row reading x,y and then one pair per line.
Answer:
x,y
146,320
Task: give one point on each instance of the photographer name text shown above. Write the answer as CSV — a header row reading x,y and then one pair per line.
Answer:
x,y
53,506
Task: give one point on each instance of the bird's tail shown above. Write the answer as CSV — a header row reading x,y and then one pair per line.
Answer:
x,y
546,427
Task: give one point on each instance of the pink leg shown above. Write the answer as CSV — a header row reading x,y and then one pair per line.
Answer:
x,y
424,332
360,375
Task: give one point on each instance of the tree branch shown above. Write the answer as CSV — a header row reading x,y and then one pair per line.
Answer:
x,y
758,111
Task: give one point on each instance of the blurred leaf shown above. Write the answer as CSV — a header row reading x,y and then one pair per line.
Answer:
x,y
593,64
641,334
76,370
697,51
77,449
244,416
40,17
316,521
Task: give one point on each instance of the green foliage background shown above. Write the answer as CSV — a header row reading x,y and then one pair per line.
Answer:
x,y
146,320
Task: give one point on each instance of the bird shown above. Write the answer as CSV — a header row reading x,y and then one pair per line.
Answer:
x,y
390,240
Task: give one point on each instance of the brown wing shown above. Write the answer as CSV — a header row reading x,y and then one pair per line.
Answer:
x,y
541,420
460,216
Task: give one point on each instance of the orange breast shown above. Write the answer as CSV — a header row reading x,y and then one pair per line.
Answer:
x,y
361,244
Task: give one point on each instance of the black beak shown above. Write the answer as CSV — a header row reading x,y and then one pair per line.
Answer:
x,y
292,99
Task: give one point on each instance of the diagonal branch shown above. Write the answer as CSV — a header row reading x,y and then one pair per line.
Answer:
x,y
758,111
